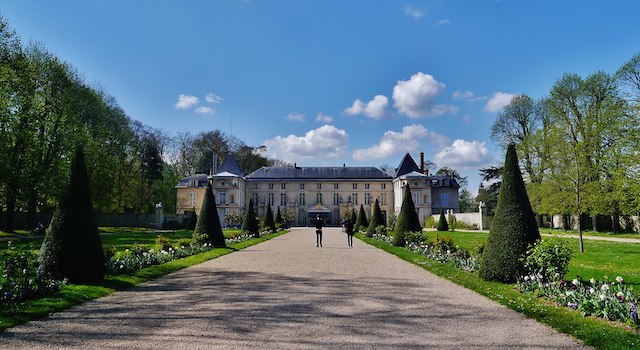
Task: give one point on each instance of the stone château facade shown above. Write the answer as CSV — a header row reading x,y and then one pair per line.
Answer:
x,y
328,191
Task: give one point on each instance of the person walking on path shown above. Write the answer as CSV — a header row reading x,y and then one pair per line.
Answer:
x,y
319,224
348,228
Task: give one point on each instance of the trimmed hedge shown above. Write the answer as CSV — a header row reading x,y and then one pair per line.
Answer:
x,y
442,222
362,219
267,222
208,223
376,220
250,222
513,228
72,248
408,220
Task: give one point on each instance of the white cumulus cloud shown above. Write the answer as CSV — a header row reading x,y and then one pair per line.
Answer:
x,y
213,98
323,143
186,101
394,142
413,11
205,110
463,155
323,118
295,117
414,97
498,101
443,22
375,109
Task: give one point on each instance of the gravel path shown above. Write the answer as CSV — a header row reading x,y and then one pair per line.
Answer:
x,y
287,294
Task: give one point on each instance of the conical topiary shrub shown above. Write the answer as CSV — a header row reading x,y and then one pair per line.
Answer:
x,y
72,248
279,220
513,227
192,220
408,220
442,222
354,217
361,220
376,219
208,224
250,222
267,222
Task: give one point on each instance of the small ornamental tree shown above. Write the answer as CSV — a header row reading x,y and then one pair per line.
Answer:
x,y
192,220
442,222
376,219
72,248
408,220
361,220
513,227
267,222
279,222
354,217
250,222
208,227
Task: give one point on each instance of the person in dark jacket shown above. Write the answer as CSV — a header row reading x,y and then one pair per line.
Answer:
x,y
348,228
319,224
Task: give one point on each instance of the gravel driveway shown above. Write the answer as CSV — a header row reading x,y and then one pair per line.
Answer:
x,y
287,294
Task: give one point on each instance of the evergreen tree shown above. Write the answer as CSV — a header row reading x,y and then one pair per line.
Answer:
x,y
250,222
361,220
279,220
192,220
354,217
208,223
513,227
408,220
442,222
267,222
376,219
72,248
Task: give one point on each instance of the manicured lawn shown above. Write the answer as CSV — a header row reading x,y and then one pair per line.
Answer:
x,y
74,294
600,259
590,233
592,331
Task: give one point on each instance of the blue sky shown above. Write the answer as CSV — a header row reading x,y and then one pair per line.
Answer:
x,y
332,82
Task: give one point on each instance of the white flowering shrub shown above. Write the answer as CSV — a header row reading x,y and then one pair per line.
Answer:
x,y
548,258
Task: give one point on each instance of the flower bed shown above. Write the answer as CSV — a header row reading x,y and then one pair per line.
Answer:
x,y
613,300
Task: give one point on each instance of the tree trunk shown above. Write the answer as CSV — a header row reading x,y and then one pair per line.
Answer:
x,y
11,209
580,233
594,223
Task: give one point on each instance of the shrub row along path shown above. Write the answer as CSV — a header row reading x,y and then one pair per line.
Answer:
x,y
287,294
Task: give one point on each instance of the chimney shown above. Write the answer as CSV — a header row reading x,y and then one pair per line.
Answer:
x,y
422,162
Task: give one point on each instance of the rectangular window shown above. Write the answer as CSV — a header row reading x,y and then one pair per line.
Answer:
x,y
383,186
283,199
319,198
222,198
270,186
366,186
254,197
319,186
335,186
354,198
283,186
444,200
302,199
270,198
367,199
416,198
336,199
232,199
302,186
355,186
383,199
192,199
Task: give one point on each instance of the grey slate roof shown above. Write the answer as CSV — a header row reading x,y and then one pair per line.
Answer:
x,y
201,180
310,173
230,165
406,166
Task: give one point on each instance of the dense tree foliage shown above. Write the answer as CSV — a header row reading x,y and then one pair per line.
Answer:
x,y
72,248
513,228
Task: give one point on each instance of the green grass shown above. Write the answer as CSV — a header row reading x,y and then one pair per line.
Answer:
x,y
601,258
590,233
74,294
592,331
